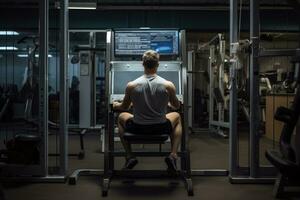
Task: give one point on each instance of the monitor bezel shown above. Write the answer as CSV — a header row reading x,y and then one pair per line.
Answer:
x,y
146,30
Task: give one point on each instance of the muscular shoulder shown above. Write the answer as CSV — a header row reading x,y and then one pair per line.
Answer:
x,y
130,86
170,86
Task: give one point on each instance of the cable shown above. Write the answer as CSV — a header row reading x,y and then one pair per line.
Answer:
x,y
13,64
56,89
273,135
240,19
6,132
6,58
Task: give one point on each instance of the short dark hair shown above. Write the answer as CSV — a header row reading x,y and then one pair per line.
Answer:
x,y
150,59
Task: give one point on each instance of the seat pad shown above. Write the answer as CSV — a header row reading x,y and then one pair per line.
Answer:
x,y
145,139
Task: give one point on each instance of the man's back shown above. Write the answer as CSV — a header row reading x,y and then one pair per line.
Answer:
x,y
150,95
150,99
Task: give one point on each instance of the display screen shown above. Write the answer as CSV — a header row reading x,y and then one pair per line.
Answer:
x,y
121,78
137,42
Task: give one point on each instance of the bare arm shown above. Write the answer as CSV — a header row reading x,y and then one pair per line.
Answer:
x,y
125,104
175,103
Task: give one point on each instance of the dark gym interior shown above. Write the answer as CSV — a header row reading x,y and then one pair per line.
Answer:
x,y
65,66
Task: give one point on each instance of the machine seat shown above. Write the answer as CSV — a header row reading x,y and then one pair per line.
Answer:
x,y
145,139
27,138
285,166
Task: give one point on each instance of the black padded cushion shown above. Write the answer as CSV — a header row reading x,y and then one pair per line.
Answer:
x,y
283,114
145,139
147,134
285,166
27,137
148,129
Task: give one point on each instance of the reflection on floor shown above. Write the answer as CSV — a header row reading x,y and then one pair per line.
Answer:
x,y
208,151
89,188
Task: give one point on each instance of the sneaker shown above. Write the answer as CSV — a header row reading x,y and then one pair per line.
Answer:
x,y
171,163
130,163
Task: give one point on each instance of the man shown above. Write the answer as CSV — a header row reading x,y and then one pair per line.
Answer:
x,y
150,96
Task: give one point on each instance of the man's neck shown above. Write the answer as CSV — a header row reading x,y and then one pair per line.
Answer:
x,y
150,72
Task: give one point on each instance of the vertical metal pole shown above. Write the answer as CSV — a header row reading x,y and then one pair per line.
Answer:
x,y
185,140
298,14
297,141
93,79
221,77
184,84
43,83
211,85
108,127
63,107
190,64
254,88
233,137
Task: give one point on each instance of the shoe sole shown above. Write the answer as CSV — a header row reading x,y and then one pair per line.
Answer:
x,y
170,165
132,164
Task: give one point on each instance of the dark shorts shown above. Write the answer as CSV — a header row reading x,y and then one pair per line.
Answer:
x,y
151,129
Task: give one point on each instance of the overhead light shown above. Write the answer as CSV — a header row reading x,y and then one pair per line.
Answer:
x,y
9,33
49,55
79,5
22,55
8,48
36,55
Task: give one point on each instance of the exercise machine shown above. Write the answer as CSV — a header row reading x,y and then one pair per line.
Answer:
x,y
286,160
217,86
124,66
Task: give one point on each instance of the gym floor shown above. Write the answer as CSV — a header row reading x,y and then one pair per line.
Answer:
x,y
207,152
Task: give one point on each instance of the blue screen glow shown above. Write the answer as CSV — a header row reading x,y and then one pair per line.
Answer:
x,y
137,42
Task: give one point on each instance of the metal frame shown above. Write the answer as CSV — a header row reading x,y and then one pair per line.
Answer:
x,y
43,109
63,106
254,89
220,124
233,136
190,82
281,52
73,178
86,100
39,170
110,153
90,49
254,173
191,72
39,173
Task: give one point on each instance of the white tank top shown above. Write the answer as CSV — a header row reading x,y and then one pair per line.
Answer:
x,y
150,100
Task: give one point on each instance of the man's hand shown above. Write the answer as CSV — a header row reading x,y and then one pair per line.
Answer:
x,y
173,108
126,103
116,105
